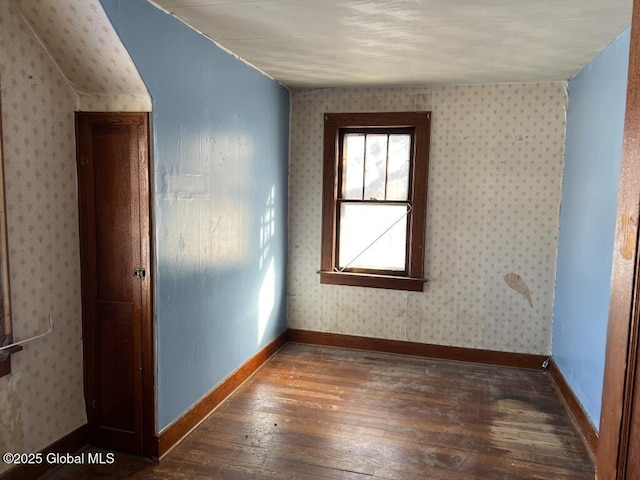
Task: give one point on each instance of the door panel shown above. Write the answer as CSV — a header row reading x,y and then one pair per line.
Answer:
x,y
112,176
116,356
115,258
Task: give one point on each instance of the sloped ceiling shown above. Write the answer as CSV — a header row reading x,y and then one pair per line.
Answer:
x,y
79,37
324,43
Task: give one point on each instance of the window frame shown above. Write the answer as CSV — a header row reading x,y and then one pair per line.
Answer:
x,y
335,126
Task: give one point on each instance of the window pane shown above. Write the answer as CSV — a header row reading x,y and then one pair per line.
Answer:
x,y
375,169
398,174
361,224
353,166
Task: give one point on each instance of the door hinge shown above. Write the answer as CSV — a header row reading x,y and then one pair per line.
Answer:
x,y
91,403
83,160
139,272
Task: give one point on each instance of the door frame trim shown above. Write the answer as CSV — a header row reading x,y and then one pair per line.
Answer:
x,y
622,330
148,289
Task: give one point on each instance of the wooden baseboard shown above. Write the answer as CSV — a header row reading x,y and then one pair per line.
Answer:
x,y
577,413
491,357
70,443
170,437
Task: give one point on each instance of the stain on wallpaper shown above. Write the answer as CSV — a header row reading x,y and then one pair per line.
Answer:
x,y
516,283
495,179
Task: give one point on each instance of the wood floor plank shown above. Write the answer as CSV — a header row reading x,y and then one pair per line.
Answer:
x,y
315,413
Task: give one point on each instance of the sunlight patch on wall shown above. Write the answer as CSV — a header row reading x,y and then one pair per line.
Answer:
x,y
211,209
266,299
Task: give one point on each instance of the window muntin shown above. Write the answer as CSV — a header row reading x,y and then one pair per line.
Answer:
x,y
375,166
374,199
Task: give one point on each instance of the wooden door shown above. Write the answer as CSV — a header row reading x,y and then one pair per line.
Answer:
x,y
113,194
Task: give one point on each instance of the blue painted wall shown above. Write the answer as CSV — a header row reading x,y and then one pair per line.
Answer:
x,y
220,158
595,121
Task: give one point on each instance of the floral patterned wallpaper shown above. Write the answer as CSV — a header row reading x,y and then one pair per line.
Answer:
x,y
495,181
42,400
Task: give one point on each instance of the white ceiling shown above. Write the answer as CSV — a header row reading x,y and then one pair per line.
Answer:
x,y
325,43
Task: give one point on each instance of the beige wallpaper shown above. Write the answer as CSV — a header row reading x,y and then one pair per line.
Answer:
x,y
493,215
42,400
80,39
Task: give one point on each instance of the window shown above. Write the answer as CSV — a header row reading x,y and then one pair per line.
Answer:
x,y
374,199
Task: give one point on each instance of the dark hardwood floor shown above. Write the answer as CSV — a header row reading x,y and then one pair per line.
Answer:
x,y
329,413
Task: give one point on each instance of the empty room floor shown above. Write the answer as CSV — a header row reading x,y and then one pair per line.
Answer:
x,y
329,413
